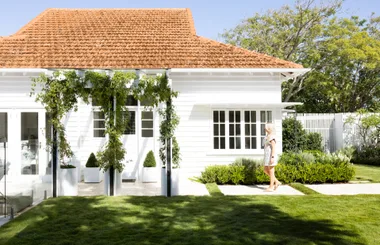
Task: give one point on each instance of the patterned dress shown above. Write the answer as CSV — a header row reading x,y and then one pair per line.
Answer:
x,y
268,151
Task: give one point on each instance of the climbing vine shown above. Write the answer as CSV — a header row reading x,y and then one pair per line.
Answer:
x,y
60,93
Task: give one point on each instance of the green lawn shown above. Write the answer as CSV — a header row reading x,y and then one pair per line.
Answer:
x,y
199,220
367,173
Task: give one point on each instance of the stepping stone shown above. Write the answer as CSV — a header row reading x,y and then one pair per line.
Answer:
x,y
236,190
346,189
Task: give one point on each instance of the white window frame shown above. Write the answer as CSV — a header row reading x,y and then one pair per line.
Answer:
x,y
243,149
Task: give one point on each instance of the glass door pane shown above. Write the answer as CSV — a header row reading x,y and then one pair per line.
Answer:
x,y
29,143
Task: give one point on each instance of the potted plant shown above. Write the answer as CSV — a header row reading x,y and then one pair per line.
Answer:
x,y
92,172
68,180
149,169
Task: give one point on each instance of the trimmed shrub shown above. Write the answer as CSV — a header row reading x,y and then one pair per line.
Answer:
x,y
304,168
313,142
150,161
293,135
92,162
369,155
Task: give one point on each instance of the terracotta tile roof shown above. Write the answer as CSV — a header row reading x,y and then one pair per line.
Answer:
x,y
122,38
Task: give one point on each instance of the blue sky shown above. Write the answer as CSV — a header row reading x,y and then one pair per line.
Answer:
x,y
211,17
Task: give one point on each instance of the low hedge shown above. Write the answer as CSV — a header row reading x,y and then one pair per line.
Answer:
x,y
305,168
367,155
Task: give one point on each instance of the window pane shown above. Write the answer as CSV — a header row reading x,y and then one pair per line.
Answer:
x,y
98,115
247,129
253,116
231,116
147,115
131,101
147,124
262,116
232,143
147,133
222,129
216,116
238,143
237,116
216,129
131,128
232,131
246,116
269,116
3,127
29,126
99,124
237,126
247,143
222,143
262,129
99,133
216,143
222,116
253,143
253,129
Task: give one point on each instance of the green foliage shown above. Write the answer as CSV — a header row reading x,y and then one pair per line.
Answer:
x,y
150,160
295,138
293,135
293,167
343,54
92,162
314,141
59,94
368,125
346,151
167,129
61,91
369,155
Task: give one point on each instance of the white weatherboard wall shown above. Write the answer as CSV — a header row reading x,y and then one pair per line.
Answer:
x,y
195,132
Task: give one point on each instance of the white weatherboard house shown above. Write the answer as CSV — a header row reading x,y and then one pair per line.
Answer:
x,y
226,94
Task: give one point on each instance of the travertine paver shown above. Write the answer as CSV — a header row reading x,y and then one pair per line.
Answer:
x,y
236,190
346,189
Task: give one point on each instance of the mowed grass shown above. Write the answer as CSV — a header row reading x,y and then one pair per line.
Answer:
x,y
199,220
367,173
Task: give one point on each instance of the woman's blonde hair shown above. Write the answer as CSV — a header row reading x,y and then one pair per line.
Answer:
x,y
271,128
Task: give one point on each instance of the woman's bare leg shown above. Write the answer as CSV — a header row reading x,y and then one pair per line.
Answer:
x,y
272,177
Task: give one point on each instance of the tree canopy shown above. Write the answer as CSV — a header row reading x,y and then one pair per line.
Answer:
x,y
343,53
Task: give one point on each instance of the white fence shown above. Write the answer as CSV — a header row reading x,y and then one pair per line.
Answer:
x,y
335,132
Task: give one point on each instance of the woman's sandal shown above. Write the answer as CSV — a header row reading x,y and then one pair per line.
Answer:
x,y
278,183
269,190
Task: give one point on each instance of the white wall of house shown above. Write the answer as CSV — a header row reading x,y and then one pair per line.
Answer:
x,y
200,95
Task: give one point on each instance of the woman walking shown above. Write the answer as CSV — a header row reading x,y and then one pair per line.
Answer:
x,y
270,158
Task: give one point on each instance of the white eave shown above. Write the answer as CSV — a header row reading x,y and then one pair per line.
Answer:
x,y
247,104
285,72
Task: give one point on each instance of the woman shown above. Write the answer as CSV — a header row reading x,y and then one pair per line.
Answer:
x,y
270,159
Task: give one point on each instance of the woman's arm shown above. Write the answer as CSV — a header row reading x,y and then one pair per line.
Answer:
x,y
273,150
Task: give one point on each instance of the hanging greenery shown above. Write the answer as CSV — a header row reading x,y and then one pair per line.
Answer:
x,y
59,94
61,91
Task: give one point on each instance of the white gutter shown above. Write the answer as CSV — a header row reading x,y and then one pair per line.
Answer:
x,y
22,70
232,70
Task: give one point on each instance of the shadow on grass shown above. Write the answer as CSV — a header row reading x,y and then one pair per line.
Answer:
x,y
160,220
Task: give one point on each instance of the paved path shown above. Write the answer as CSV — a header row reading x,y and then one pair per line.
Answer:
x,y
346,189
235,190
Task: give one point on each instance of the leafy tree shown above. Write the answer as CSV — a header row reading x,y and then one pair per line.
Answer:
x,y
344,54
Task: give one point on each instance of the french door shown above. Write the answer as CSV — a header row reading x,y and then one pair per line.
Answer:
x,y
24,132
